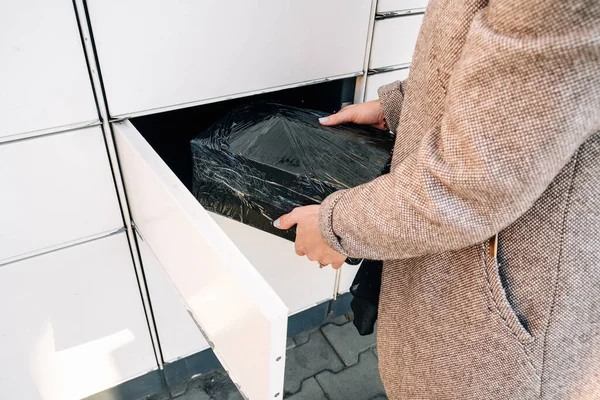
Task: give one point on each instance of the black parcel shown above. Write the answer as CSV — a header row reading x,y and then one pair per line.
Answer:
x,y
260,161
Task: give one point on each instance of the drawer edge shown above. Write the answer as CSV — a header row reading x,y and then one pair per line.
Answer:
x,y
122,117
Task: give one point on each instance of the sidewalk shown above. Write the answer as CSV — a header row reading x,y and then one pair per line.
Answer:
x,y
332,362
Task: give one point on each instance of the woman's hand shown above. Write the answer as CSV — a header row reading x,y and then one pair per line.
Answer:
x,y
309,241
368,113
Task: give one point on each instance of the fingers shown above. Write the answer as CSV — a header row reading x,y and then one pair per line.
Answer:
x,y
344,115
335,262
335,259
286,221
301,252
334,265
309,241
337,265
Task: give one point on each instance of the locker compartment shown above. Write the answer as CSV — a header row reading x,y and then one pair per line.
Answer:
x,y
237,283
394,41
59,190
73,323
158,54
169,135
44,81
393,6
375,81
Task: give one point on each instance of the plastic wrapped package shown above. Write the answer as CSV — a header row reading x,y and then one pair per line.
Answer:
x,y
261,161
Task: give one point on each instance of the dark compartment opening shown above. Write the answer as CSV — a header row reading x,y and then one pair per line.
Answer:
x,y
169,133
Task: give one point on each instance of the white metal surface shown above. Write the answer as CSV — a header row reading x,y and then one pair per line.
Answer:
x,y
400,5
44,81
57,188
230,301
300,283
179,336
375,81
161,53
359,87
347,276
114,163
394,41
336,285
72,323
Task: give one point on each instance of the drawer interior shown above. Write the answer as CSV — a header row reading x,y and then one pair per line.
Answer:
x,y
169,133
299,282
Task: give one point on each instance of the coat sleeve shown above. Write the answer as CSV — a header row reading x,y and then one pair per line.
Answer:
x,y
522,98
391,97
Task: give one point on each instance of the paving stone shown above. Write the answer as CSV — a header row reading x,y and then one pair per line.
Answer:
x,y
301,338
308,359
308,320
222,388
164,395
347,342
193,393
290,344
310,391
359,382
235,396
341,320
212,386
341,306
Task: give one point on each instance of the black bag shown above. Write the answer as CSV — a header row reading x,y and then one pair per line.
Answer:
x,y
365,290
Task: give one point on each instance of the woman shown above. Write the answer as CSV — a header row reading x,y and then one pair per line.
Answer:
x,y
497,132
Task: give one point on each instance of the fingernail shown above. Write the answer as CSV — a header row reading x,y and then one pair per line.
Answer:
x,y
276,223
324,120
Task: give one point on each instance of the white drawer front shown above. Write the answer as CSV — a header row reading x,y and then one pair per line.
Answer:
x,y
56,189
347,277
179,336
375,81
72,323
400,5
300,283
297,281
394,41
159,53
44,81
240,314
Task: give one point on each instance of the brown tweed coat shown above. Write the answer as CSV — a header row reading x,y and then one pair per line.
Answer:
x,y
498,130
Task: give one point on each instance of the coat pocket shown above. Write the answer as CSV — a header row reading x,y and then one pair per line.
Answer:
x,y
499,299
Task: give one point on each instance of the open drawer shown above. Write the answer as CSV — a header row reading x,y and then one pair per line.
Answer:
x,y
239,284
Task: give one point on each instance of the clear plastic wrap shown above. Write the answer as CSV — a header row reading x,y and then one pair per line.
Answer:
x,y
261,161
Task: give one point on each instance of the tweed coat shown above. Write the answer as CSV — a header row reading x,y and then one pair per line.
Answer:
x,y
497,130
